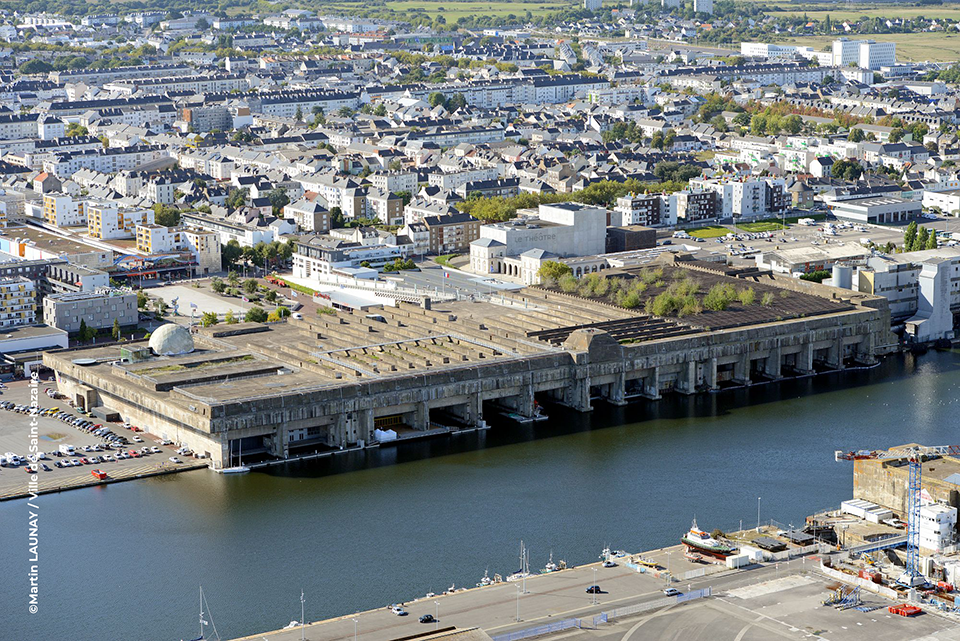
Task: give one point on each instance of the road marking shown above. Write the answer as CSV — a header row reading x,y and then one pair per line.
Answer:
x,y
639,623
743,631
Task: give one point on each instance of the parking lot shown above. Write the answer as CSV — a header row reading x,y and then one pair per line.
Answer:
x,y
15,435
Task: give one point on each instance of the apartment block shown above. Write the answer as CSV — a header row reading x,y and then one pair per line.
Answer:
x,y
108,221
99,309
157,239
18,305
61,210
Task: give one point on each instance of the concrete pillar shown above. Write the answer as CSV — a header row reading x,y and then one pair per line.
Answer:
x,y
688,379
617,390
772,366
421,417
577,395
337,432
651,384
864,352
363,426
835,354
710,373
741,369
805,359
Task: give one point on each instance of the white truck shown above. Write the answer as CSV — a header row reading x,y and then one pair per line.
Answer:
x,y
67,450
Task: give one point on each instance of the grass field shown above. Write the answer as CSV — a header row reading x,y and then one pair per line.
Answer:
x,y
855,12
708,232
761,225
452,11
914,47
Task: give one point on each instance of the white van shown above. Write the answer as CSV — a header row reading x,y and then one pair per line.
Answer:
x,y
67,449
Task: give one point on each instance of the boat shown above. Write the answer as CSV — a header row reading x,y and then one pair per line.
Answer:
x,y
486,580
236,469
204,622
99,474
700,541
524,570
553,567
537,416
650,563
605,554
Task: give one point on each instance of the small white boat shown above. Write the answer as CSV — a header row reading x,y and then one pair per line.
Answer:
x,y
236,469
524,570
605,554
486,580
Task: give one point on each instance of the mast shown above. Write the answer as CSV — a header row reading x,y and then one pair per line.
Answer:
x,y
200,636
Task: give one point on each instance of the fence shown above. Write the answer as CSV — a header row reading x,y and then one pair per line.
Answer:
x,y
604,617
556,626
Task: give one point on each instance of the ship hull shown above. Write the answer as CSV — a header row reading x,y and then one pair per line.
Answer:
x,y
717,553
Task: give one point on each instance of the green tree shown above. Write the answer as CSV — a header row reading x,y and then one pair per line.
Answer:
x,y
271,296
230,319
554,270
910,236
142,299
76,129
115,332
85,334
298,116
166,215
896,134
218,286
161,306
437,99
250,286
230,254
380,110
208,319
278,200
255,315
35,66
856,135
237,198
922,238
931,240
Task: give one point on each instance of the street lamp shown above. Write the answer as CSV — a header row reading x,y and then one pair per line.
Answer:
x,y
356,628
758,514
436,619
668,564
518,604
593,588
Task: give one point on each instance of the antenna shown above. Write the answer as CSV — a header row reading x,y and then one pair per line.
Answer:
x,y
301,614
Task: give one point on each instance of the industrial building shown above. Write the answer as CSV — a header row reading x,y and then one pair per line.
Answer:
x,y
334,380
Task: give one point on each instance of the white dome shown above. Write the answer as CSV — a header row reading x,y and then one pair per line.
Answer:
x,y
171,340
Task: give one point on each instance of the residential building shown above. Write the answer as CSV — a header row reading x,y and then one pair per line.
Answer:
x,y
98,309
309,215
18,305
61,210
452,233
108,220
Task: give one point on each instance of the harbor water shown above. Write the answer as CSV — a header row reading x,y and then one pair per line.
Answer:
x,y
364,530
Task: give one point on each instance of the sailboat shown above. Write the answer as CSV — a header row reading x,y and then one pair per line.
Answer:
x,y
237,469
524,570
204,622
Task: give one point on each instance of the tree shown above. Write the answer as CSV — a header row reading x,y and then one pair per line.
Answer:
x,y
76,129
278,199
271,296
36,66
856,135
115,332
380,110
218,286
85,334
922,238
910,236
742,119
233,278
202,24
208,319
230,318
229,254
236,198
298,116
437,99
255,315
250,286
931,240
161,306
336,218
457,101
896,134
846,170
166,215
142,299
551,269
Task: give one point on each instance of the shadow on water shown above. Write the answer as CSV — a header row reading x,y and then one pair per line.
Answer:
x,y
640,413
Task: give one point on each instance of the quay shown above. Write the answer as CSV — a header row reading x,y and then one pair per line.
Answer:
x,y
281,390
768,600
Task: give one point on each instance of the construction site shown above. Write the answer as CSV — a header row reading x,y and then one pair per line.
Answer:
x,y
412,369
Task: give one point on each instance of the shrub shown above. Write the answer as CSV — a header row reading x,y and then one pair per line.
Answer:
x,y
651,275
747,296
767,299
568,283
719,297
629,300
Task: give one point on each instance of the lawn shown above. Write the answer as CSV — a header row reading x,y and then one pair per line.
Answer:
x,y
855,12
761,225
915,47
708,232
452,10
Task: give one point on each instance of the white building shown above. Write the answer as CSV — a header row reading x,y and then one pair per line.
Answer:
x,y
867,54
18,305
649,210
937,526
592,5
703,6
562,229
